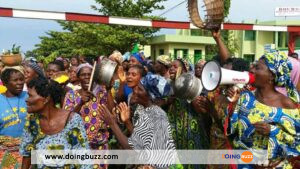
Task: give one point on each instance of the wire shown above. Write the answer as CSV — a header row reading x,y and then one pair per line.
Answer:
x,y
173,8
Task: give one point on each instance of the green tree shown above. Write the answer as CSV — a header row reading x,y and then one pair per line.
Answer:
x,y
98,39
227,4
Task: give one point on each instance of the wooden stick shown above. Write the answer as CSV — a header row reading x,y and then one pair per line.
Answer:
x,y
92,77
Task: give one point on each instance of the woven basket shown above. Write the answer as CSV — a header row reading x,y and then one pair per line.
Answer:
x,y
11,60
214,14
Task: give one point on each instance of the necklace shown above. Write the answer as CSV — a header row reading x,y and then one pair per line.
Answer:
x,y
16,113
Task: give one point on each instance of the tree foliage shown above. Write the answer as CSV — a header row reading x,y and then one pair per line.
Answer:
x,y
227,4
98,39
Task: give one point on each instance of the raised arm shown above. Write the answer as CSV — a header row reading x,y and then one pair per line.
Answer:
x,y
223,51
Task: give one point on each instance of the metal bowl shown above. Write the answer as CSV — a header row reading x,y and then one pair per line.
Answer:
x,y
104,72
188,87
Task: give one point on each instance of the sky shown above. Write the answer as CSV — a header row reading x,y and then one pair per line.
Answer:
x,y
26,32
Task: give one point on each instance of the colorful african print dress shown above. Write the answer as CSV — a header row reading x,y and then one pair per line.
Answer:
x,y
72,137
283,141
96,128
187,127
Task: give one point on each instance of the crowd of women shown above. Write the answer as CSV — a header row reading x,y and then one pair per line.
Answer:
x,y
140,110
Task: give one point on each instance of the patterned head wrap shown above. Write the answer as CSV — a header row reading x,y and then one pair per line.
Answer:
x,y
36,68
201,61
185,64
138,58
281,67
156,86
164,59
82,66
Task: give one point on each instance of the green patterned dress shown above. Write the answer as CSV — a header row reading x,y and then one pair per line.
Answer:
x,y
188,128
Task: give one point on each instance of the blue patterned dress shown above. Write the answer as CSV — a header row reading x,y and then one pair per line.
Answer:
x,y
72,137
283,141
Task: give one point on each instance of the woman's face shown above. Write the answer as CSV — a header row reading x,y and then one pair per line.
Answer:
x,y
133,61
52,69
35,103
262,74
16,83
140,95
133,77
74,62
66,64
158,67
198,69
29,74
41,65
174,68
72,74
84,77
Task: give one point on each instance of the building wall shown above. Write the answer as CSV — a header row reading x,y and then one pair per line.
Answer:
x,y
253,47
263,38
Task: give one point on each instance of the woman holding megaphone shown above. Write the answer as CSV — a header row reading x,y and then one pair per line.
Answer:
x,y
269,119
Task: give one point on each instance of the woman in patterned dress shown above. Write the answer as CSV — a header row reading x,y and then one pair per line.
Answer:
x,y
266,119
150,126
188,127
87,105
50,128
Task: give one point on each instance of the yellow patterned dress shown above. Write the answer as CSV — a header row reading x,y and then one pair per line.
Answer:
x,y
283,141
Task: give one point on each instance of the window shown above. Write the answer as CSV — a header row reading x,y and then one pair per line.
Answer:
x,y
250,35
297,43
196,32
161,51
249,57
180,53
197,55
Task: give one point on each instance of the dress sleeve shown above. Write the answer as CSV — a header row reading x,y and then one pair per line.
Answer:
x,y
69,101
27,137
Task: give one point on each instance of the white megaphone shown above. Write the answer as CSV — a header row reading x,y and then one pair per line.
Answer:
x,y
213,76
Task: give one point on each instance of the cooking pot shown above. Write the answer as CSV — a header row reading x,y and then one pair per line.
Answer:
x,y
104,72
187,86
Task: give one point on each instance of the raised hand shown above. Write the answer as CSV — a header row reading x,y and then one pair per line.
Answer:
x,y
124,112
107,116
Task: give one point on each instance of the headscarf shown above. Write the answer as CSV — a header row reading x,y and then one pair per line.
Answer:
x,y
60,59
36,68
185,63
281,67
31,59
82,66
138,58
156,86
201,61
164,59
18,68
295,73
